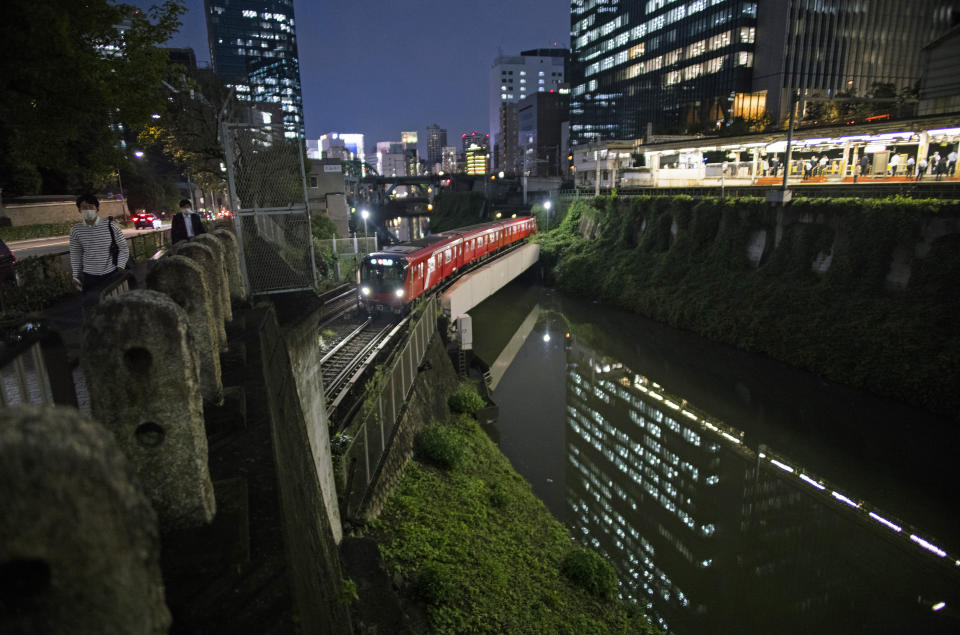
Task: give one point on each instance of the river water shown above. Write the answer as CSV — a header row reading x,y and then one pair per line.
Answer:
x,y
732,493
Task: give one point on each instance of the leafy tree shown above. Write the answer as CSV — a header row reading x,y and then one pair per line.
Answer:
x,y
188,129
73,77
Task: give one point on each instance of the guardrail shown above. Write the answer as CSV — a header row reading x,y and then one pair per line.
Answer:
x,y
34,368
366,439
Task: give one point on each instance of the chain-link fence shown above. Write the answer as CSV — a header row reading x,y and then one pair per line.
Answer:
x,y
268,194
338,259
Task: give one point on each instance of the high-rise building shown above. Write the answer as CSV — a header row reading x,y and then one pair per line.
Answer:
x,y
507,148
338,145
475,138
448,162
539,132
513,77
411,153
253,48
436,140
391,160
690,66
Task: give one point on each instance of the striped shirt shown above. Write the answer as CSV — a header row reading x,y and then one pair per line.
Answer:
x,y
90,248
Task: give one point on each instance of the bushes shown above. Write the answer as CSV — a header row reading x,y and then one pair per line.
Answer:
x,y
25,232
440,445
466,399
588,570
435,584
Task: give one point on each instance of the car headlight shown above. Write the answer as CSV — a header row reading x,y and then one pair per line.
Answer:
x,y
365,290
399,293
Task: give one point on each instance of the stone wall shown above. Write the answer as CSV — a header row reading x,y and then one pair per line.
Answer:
x,y
55,212
300,333
309,538
435,381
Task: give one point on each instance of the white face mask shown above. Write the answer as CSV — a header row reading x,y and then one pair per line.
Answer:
x,y
187,210
89,215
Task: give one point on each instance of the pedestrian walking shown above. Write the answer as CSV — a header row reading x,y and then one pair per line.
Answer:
x,y
952,163
921,168
186,223
92,243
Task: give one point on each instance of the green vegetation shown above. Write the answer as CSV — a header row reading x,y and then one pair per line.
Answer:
x,y
485,555
589,570
26,232
42,282
440,445
61,96
457,209
466,399
683,261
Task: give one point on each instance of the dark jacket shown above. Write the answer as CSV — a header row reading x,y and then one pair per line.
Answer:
x,y
178,227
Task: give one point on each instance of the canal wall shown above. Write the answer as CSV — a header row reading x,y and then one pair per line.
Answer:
x,y
866,293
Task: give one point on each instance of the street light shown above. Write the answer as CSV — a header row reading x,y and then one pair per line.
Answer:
x,y
365,214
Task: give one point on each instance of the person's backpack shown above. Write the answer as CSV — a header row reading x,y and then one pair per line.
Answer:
x,y
115,248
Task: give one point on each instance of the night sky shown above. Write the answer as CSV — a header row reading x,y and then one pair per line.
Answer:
x,y
379,67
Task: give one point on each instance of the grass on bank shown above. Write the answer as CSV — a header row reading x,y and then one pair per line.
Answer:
x,y
472,542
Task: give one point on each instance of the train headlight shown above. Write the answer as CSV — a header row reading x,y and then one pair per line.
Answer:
x,y
399,293
365,290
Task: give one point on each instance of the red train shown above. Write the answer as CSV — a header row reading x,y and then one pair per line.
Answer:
x,y
390,280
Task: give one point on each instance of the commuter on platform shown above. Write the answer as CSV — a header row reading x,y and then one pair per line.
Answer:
x,y
951,163
921,168
775,165
894,164
765,166
186,223
823,165
910,164
864,165
808,168
935,163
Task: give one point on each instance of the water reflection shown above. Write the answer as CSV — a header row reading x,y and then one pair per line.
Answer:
x,y
714,536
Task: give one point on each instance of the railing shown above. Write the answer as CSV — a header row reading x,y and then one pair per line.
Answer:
x,y
34,368
368,437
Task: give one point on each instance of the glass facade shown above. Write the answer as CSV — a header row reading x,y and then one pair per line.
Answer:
x,y
253,47
674,64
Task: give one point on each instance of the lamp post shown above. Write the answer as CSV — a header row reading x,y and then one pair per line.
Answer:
x,y
546,206
365,214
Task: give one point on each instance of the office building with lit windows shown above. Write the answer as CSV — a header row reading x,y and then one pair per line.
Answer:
x,y
513,77
695,65
476,150
436,140
253,48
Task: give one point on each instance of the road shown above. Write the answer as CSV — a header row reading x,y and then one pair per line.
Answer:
x,y
55,244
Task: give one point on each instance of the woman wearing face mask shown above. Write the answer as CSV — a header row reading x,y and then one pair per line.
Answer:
x,y
90,243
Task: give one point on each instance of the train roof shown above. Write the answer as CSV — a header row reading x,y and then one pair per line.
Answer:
x,y
425,243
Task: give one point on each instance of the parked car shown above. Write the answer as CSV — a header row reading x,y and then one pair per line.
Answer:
x,y
7,260
145,219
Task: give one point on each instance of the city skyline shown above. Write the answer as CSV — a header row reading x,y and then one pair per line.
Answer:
x,y
453,94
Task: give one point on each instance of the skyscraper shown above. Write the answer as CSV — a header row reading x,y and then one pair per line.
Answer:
x,y
690,66
253,47
513,77
436,140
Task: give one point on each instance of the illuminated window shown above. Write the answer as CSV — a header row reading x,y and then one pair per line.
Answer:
x,y
748,34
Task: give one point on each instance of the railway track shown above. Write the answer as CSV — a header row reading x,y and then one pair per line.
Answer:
x,y
339,366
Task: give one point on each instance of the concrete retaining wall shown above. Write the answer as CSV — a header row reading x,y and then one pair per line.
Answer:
x,y
57,212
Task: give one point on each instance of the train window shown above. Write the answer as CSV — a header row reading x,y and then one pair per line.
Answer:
x,y
446,255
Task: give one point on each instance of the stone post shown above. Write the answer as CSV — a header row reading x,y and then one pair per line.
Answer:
x,y
232,252
223,286
182,279
142,376
79,546
203,256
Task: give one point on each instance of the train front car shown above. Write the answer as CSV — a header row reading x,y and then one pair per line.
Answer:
x,y
383,283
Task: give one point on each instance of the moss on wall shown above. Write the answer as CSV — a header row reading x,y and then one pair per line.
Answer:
x,y
808,284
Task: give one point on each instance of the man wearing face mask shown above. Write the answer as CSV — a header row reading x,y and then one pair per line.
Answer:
x,y
90,242
186,223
